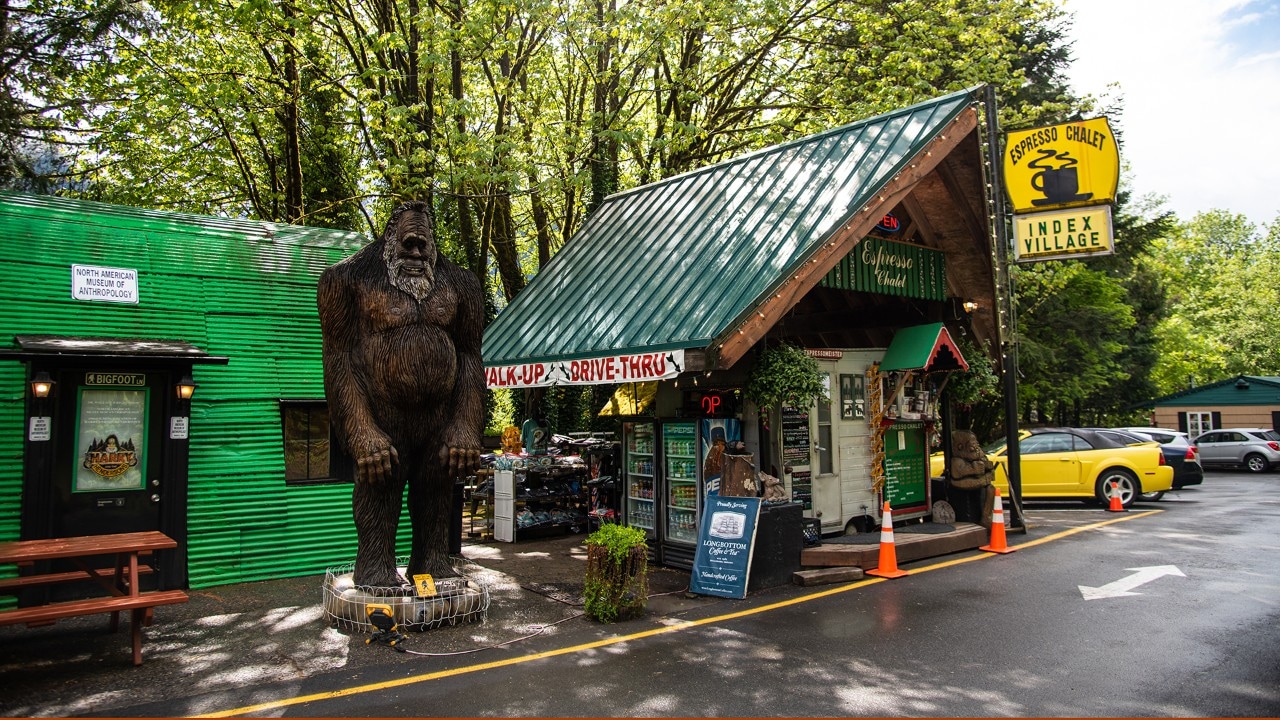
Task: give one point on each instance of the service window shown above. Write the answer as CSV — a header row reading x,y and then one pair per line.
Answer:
x,y
309,454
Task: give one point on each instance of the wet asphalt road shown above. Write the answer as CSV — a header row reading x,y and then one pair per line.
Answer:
x,y
966,635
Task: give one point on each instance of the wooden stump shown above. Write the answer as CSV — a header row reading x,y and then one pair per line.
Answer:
x,y
738,476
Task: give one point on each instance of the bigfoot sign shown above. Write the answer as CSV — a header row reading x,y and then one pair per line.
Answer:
x,y
405,385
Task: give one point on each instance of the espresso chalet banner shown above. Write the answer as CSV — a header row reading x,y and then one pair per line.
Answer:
x,y
608,370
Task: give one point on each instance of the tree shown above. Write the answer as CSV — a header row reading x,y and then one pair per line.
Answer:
x,y
42,41
1220,271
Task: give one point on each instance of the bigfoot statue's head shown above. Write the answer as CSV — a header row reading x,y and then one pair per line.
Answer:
x,y
409,249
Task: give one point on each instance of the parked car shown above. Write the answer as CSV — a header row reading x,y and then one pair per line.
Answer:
x,y
1181,455
1074,463
1255,449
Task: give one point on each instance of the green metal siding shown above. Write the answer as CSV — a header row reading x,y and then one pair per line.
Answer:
x,y
240,289
676,263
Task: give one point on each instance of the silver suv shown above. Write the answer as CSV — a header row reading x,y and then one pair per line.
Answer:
x,y
1255,449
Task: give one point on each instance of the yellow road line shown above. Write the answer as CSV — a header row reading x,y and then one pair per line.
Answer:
x,y
683,625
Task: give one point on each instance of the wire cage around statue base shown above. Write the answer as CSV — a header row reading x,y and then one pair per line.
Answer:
x,y
461,599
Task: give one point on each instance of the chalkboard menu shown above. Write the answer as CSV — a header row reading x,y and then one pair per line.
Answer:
x,y
906,466
802,488
795,436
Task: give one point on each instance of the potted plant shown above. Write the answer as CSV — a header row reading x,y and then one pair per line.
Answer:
x,y
617,583
784,375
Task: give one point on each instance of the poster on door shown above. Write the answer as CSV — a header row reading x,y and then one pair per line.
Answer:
x,y
110,440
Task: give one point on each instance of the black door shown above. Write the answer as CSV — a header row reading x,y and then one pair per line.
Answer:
x,y
109,454
108,463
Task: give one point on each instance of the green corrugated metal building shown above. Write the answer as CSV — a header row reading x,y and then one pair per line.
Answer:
x,y
164,295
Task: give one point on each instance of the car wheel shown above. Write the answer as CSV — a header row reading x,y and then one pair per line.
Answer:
x,y
1152,497
1256,463
1126,486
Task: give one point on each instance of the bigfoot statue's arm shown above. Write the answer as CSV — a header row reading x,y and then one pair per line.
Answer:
x,y
348,406
461,450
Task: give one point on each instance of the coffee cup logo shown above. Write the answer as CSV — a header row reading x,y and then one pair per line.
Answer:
x,y
1058,178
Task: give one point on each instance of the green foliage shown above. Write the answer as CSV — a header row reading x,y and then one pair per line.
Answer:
x,y
617,541
616,586
979,383
784,375
1220,272
502,411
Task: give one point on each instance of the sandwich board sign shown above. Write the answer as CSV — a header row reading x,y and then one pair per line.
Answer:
x,y
726,540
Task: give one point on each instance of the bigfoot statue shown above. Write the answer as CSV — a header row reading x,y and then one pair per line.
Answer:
x,y
972,474
402,374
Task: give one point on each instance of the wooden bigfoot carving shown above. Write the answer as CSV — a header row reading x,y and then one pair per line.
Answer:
x,y
402,373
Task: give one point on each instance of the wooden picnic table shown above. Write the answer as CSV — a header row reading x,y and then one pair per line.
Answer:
x,y
119,583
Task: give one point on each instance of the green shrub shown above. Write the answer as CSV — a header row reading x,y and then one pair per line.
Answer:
x,y
617,585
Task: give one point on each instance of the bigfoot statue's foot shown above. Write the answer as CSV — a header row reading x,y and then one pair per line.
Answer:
x,y
382,583
439,569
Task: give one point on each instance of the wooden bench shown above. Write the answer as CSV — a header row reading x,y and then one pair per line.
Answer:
x,y
120,584
138,606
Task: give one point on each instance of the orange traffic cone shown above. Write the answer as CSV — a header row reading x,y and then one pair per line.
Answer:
x,y
1116,505
888,555
998,543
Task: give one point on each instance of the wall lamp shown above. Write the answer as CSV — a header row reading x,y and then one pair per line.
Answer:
x,y
970,306
42,385
186,387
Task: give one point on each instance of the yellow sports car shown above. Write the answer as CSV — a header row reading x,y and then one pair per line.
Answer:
x,y
1075,463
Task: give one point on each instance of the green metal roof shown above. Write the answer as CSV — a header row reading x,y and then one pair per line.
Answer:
x,y
923,347
676,263
1238,390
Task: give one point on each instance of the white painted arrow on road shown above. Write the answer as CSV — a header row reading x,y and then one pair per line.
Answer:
x,y
1121,587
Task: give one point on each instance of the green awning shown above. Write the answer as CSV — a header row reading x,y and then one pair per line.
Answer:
x,y
923,347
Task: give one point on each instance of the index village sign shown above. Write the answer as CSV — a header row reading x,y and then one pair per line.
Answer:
x,y
1061,181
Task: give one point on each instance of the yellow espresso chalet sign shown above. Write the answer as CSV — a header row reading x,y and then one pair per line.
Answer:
x,y
1060,166
1062,234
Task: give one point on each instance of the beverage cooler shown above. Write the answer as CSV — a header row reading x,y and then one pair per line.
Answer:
x,y
681,496
667,463
639,443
